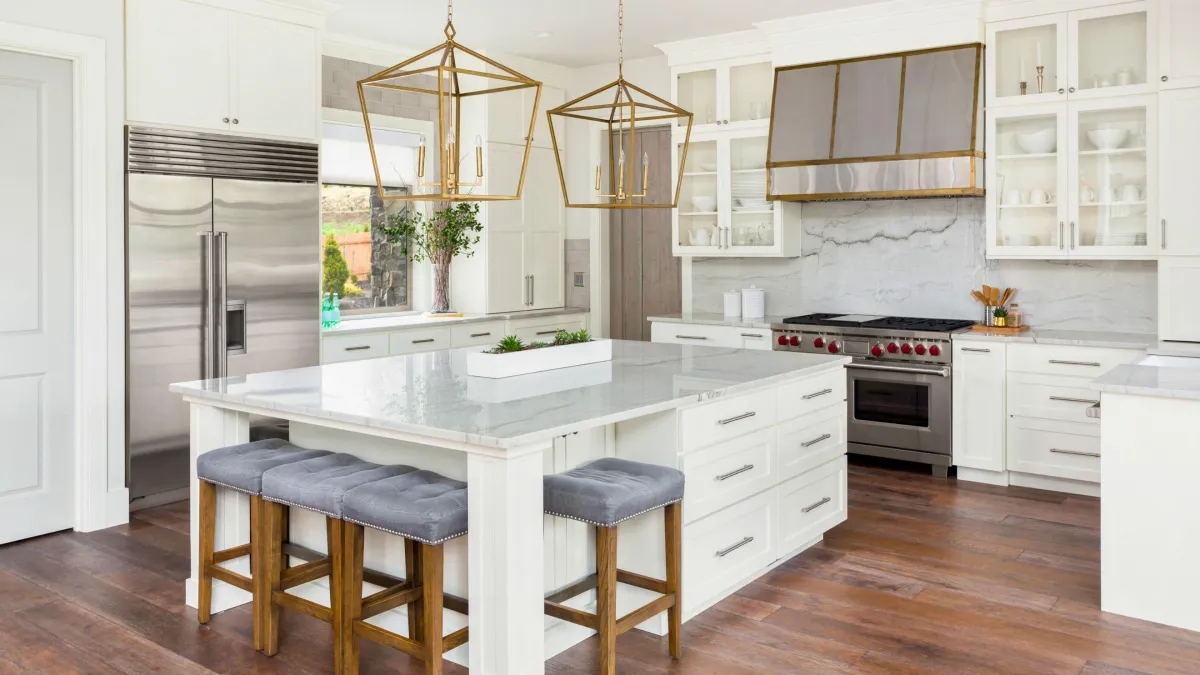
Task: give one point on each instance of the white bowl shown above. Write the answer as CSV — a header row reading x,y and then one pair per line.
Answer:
x,y
1108,139
708,166
706,204
1038,142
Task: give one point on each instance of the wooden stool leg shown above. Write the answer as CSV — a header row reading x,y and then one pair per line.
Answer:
x,y
334,528
432,559
412,574
271,568
352,596
674,530
606,597
208,524
256,574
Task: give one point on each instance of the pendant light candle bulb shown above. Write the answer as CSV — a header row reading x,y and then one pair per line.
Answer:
x,y
478,156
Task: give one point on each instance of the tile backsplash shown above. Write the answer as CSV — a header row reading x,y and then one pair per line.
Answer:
x,y
921,257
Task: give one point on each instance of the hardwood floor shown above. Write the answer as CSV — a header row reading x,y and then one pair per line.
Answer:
x,y
926,576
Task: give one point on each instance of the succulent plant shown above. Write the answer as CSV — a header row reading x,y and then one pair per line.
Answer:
x,y
510,343
1000,312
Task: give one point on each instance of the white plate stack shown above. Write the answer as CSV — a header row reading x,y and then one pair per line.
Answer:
x,y
750,191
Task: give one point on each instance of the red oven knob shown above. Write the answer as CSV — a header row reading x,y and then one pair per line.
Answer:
x,y
834,348
920,349
893,347
935,350
795,340
782,340
877,350
818,343
905,348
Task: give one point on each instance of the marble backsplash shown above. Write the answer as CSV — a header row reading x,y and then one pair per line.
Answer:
x,y
921,257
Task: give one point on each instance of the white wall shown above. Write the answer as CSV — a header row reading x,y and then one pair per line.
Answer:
x,y
103,19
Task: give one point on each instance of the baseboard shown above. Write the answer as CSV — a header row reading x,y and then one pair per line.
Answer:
x,y
160,498
983,476
116,512
1075,487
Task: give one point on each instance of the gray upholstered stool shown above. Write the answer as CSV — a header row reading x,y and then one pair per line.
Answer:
x,y
240,468
320,485
604,493
427,509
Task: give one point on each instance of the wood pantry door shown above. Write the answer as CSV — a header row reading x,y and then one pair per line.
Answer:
x,y
37,267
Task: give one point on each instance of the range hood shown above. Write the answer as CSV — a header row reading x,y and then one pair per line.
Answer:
x,y
899,125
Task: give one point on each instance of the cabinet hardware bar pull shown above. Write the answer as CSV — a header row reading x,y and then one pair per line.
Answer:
x,y
1093,411
814,441
1075,452
691,337
731,474
1092,364
751,335
816,394
737,417
977,349
1164,230
1067,399
724,552
1061,245
819,504
358,348
419,342
475,335
940,372
556,331
1072,235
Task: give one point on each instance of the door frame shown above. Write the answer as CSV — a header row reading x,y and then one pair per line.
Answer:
x,y
96,504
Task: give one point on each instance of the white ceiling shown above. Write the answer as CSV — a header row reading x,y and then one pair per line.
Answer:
x,y
584,32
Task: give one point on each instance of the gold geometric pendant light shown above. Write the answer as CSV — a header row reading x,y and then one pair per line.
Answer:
x,y
620,107
462,80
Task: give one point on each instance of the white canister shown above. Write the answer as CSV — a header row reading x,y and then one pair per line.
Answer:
x,y
733,304
754,303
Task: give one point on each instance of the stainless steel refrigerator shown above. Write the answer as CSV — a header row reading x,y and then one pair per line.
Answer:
x,y
223,279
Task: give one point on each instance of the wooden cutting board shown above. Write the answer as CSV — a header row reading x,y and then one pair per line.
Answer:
x,y
1011,330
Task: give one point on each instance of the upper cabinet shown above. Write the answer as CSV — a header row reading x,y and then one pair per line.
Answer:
x,y
198,66
1084,54
734,94
509,114
1178,43
1178,198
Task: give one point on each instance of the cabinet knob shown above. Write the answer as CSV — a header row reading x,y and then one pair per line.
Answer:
x,y
1061,90
1164,78
225,120
1072,90
235,120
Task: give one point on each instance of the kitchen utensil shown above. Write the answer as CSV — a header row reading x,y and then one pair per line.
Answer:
x,y
700,235
1039,196
989,316
754,303
733,304
1008,292
1038,142
1131,193
979,297
705,204
1014,198
1108,139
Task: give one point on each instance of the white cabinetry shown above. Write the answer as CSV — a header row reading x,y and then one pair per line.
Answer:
x,y
711,335
1179,200
193,65
1178,46
1178,315
509,113
978,417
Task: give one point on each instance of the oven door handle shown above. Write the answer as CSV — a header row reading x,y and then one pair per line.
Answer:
x,y
941,372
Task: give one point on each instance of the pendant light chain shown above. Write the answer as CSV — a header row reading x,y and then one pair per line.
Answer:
x,y
450,32
621,39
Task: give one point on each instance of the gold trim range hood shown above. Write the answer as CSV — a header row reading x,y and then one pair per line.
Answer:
x,y
908,124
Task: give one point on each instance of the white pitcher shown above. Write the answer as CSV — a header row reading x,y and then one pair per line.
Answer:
x,y
700,235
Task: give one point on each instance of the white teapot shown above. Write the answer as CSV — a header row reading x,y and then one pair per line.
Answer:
x,y
700,235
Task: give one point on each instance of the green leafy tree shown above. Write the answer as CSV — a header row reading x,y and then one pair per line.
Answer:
x,y
452,230
336,271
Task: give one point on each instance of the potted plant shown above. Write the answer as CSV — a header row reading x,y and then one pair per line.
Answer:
x,y
1000,317
512,356
452,229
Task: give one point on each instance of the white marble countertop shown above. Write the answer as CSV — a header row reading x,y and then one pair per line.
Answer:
x,y
1145,379
370,324
429,394
1081,338
713,319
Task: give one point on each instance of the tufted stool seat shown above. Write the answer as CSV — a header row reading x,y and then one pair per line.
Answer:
x,y
604,493
241,467
421,505
320,484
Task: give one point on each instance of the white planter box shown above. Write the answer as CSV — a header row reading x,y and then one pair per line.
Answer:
x,y
482,364
490,390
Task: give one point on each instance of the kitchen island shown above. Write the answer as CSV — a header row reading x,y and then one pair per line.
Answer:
x,y
760,437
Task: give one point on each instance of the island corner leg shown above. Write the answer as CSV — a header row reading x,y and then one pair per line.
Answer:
x,y
505,562
213,428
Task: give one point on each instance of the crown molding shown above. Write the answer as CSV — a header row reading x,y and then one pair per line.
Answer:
x,y
714,47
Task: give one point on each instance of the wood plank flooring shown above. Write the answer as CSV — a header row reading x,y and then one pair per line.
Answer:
x,y
927,576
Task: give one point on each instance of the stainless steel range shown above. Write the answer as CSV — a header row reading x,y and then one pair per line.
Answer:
x,y
898,389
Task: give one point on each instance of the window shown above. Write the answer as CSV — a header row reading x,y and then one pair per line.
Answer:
x,y
377,275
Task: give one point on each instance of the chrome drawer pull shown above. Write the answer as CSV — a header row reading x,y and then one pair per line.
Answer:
x,y
731,474
1075,452
977,350
475,335
358,349
737,417
1093,412
816,440
819,504
819,393
1068,399
419,342
691,337
1092,364
731,549
752,335
556,331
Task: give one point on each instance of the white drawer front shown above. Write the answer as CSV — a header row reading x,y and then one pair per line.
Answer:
x,y
353,347
802,397
1089,362
414,341
754,338
728,472
810,441
1052,448
545,332
699,334
726,418
476,334
728,546
811,504
1051,397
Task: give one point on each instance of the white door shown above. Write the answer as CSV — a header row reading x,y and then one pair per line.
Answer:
x,y
508,288
36,265
1179,201
1179,50
544,265
979,417
274,77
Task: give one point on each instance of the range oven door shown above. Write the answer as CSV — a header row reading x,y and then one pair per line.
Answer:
x,y
899,406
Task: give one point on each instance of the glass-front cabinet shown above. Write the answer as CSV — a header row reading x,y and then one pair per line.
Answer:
x,y
1084,54
735,94
1027,175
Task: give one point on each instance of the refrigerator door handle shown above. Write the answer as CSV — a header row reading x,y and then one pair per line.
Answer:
x,y
220,271
208,319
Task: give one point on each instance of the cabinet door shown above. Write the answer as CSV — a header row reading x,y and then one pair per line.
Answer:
x,y
274,77
697,220
1109,52
1027,182
503,174
1178,48
1013,57
508,117
696,90
1178,319
507,289
979,412
1179,200
178,64
544,264
542,202
552,97
748,94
